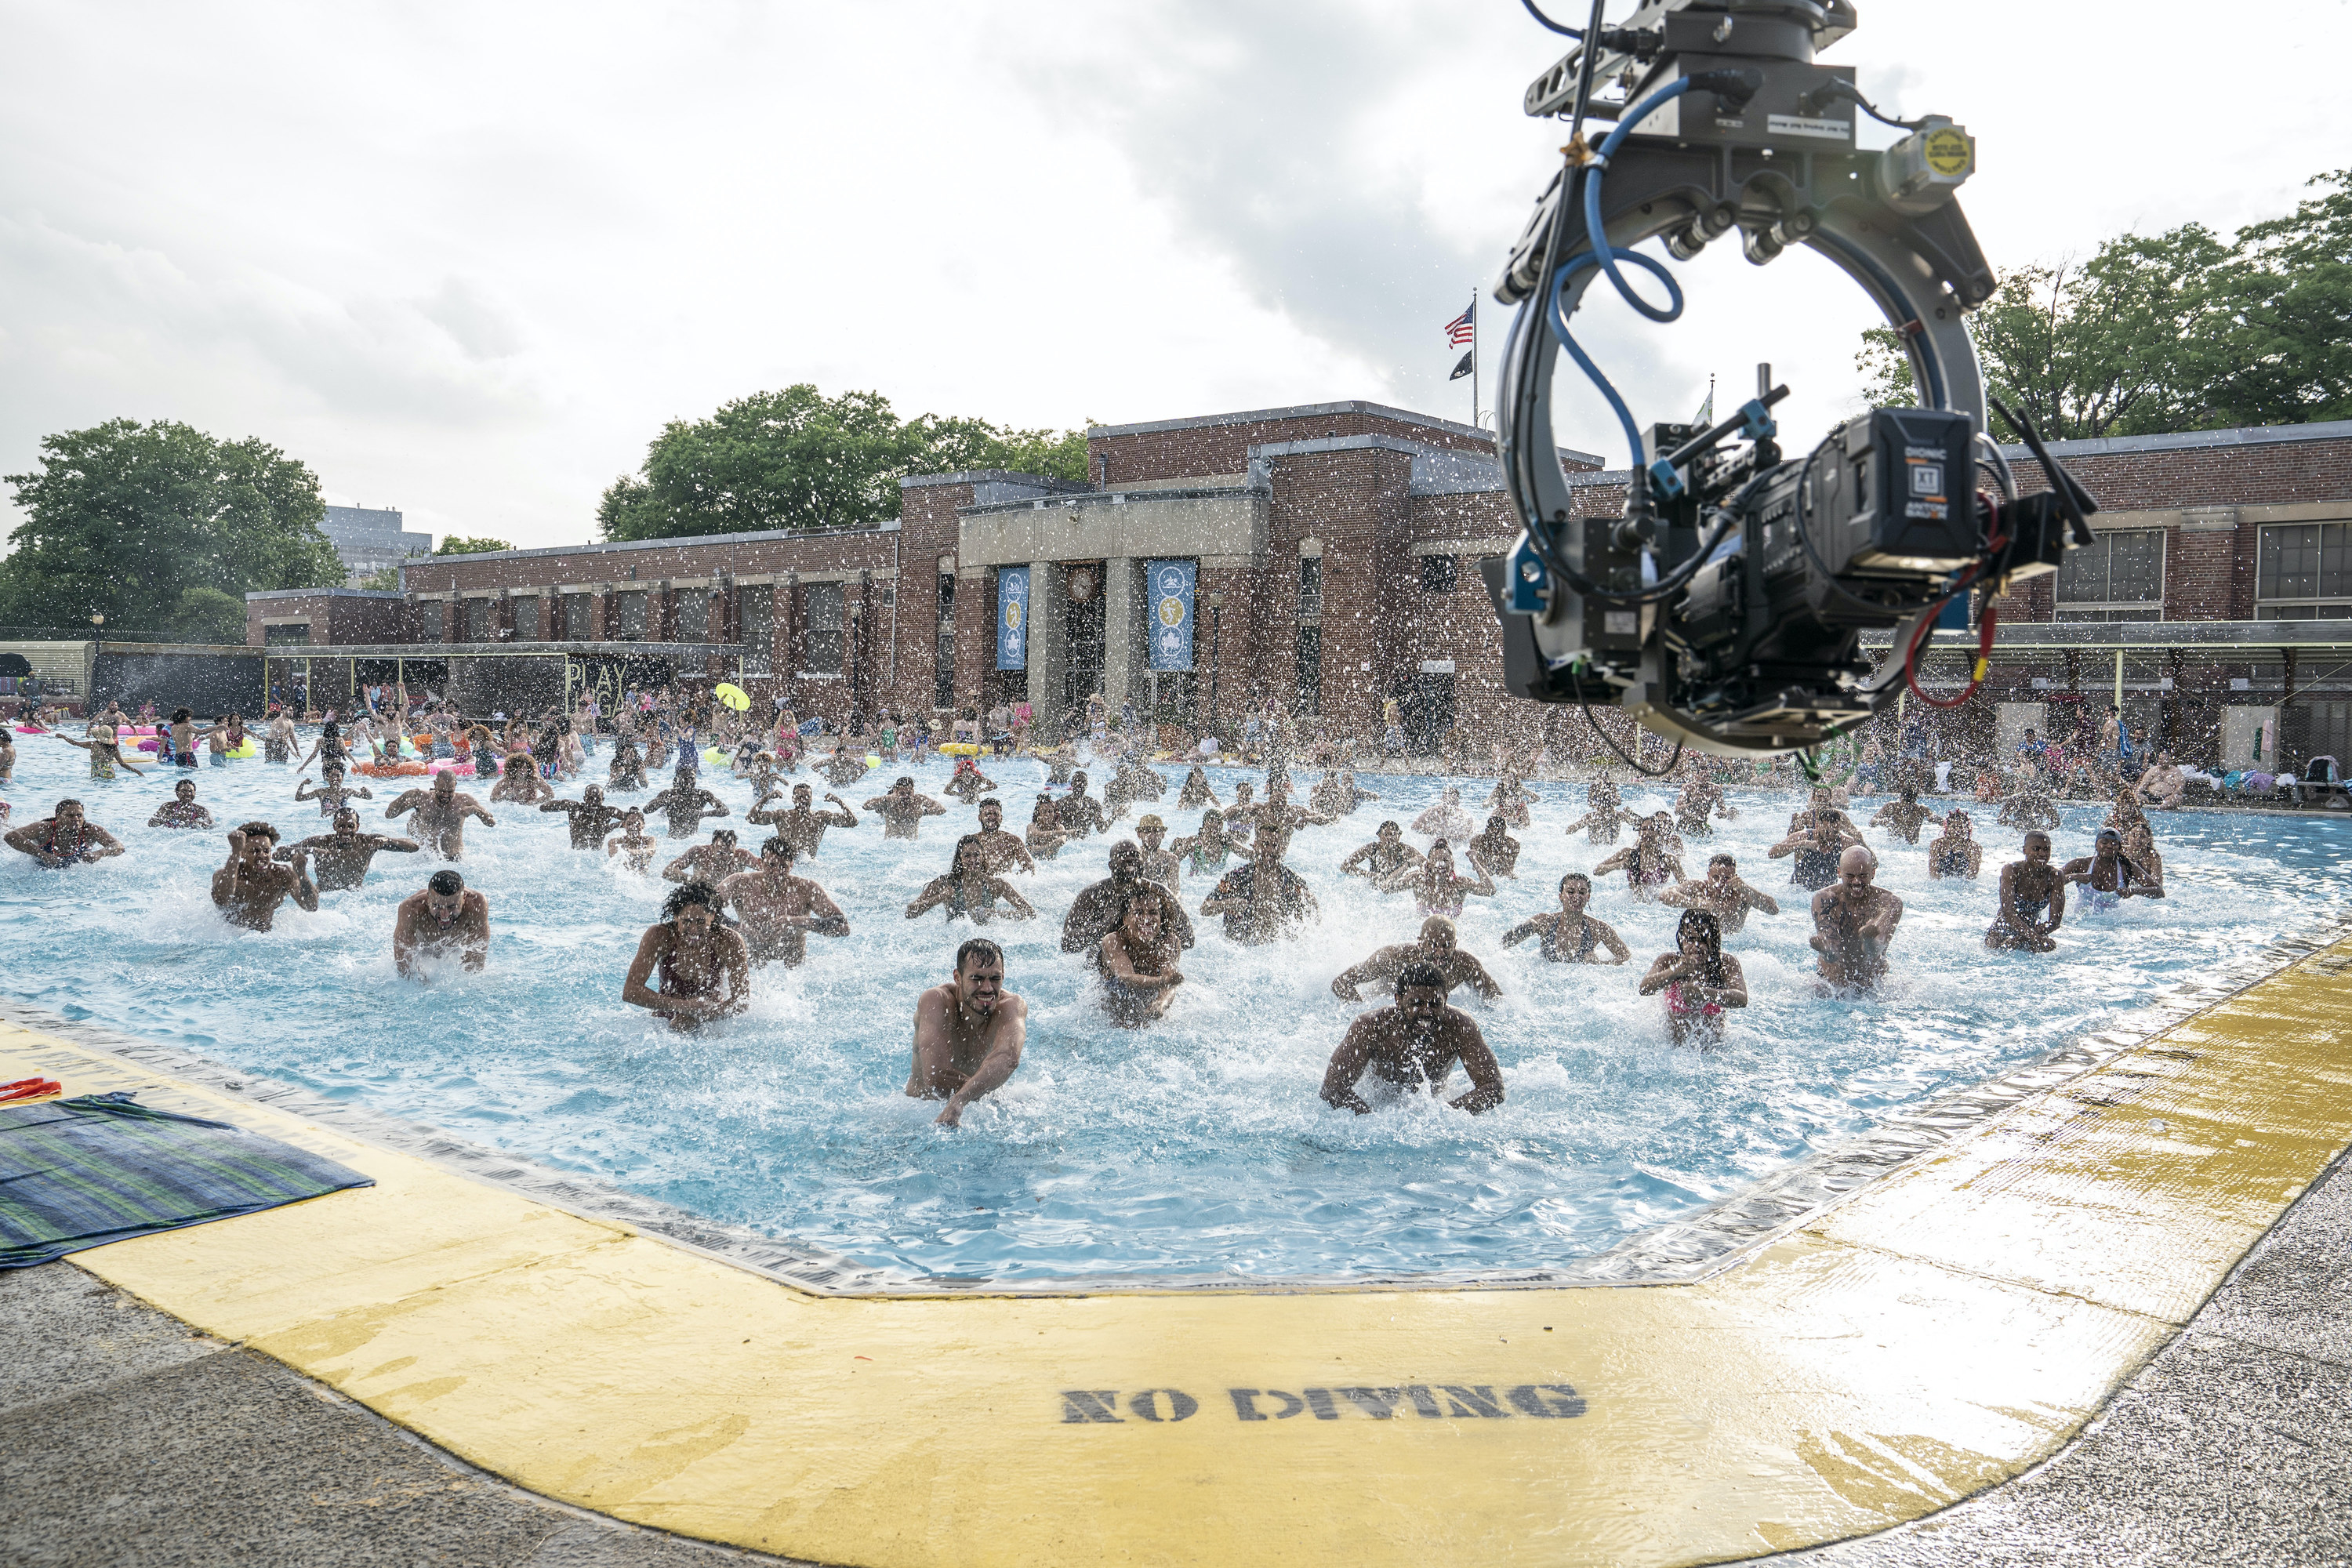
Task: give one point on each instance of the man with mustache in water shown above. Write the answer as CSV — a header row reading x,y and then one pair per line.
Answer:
x,y
1853,923
1002,848
1413,1046
778,910
441,814
700,970
803,826
447,916
249,889
343,855
592,819
968,1033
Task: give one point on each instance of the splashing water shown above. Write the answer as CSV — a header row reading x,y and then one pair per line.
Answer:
x,y
1196,1146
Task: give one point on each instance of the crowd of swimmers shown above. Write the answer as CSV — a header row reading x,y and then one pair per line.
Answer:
x,y
736,908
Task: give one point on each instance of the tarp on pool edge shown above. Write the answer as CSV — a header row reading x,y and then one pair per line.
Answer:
x,y
82,1172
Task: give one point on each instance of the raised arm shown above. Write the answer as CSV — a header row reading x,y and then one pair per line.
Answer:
x,y
566,806
844,818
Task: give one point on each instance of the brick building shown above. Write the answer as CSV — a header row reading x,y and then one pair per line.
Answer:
x,y
1332,555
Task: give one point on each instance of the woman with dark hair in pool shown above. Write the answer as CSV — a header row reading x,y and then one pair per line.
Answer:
x,y
1699,978
1138,961
699,968
1495,848
2109,875
1955,853
970,888
1211,847
628,766
1571,936
1196,791
1650,865
520,782
1603,813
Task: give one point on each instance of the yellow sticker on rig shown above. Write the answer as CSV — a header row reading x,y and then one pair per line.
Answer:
x,y
1949,151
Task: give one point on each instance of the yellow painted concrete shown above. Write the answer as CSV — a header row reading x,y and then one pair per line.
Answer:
x,y
1945,1329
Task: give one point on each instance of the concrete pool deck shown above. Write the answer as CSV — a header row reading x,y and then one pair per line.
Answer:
x,y
1949,1327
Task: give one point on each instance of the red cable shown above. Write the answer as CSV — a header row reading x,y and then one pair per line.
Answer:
x,y
1926,623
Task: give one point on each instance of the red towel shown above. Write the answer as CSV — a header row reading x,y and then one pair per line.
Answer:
x,y
30,1088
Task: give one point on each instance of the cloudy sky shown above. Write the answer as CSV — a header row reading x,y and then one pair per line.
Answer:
x,y
466,259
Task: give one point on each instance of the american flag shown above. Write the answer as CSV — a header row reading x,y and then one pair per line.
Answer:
x,y
1463,328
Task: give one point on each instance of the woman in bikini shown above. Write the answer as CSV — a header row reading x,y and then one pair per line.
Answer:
x,y
1044,836
1571,936
1650,865
1700,980
105,750
969,890
1209,847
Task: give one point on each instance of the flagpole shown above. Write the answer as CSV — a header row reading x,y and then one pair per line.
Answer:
x,y
1474,356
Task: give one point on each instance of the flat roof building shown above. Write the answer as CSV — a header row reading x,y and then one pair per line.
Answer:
x,y
370,539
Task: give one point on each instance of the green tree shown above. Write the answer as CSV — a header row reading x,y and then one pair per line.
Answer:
x,y
2171,331
797,458
123,519
385,581
207,615
458,545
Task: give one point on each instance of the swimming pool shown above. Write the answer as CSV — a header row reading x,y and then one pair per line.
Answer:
x,y
1196,1147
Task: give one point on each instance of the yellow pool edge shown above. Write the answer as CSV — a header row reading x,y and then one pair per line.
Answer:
x,y
1933,1334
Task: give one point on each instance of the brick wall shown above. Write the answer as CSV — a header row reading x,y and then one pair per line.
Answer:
x,y
1224,448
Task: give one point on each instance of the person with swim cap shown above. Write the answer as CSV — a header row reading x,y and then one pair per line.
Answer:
x,y
1412,1046
1853,923
1722,895
1954,853
969,890
1094,913
1138,962
251,886
1439,947
699,969
180,810
441,813
447,916
1571,936
342,857
968,1033
779,909
2032,900
1699,978
968,784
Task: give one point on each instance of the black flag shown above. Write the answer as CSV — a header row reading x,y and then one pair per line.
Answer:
x,y
1468,361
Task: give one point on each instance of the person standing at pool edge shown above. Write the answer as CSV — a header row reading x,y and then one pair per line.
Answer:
x,y
447,915
968,1033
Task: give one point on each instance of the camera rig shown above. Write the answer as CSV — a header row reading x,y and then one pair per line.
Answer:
x,y
1724,608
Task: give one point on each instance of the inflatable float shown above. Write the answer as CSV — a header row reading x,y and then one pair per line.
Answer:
x,y
958,749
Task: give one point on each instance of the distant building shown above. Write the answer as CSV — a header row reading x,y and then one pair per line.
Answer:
x,y
370,539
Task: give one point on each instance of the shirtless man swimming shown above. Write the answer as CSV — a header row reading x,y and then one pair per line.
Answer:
x,y
699,970
802,824
1384,857
841,770
1138,961
182,810
1265,900
1438,947
633,844
441,814
968,1033
1413,1046
249,889
1003,850
447,916
713,862
1905,815
343,855
779,909
1080,813
1853,923
902,810
1094,913
592,819
688,802
1571,936
65,837
1722,895
2032,900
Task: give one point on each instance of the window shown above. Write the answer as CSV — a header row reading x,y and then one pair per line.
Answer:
x,y
577,613
476,622
1310,669
2119,578
692,609
758,609
292,631
2304,572
1437,574
631,617
943,671
526,612
825,642
1310,587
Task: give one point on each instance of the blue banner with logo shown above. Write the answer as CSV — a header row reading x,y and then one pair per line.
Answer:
x,y
1169,587
1013,617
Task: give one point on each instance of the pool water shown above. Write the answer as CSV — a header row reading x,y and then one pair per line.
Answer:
x,y
1197,1146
